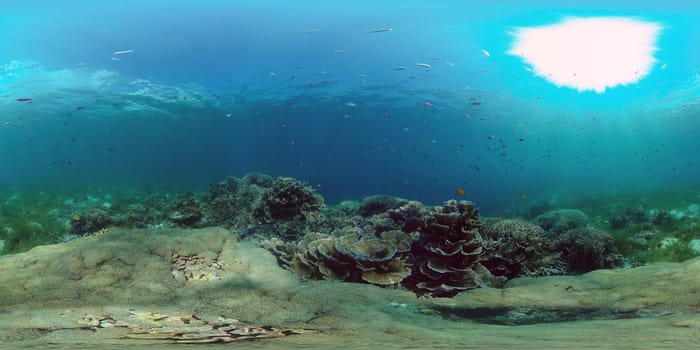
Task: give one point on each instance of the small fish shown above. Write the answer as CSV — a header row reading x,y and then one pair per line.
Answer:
x,y
400,68
486,53
273,75
521,139
340,52
459,191
427,104
663,66
466,116
424,65
24,99
7,124
351,104
310,31
123,52
523,196
450,64
229,115
293,77
380,30
436,58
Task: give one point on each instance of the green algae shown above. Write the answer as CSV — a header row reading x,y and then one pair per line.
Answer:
x,y
20,234
29,220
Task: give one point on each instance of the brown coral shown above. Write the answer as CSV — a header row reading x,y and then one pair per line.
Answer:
x,y
519,248
355,256
186,210
587,249
287,198
448,252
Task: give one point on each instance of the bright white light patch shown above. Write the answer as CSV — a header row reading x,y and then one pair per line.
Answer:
x,y
589,53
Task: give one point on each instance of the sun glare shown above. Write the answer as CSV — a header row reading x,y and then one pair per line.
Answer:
x,y
589,53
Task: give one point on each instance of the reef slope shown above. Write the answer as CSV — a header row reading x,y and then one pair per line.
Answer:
x,y
158,287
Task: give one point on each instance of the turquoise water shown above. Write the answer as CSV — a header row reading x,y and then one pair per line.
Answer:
x,y
119,107
302,89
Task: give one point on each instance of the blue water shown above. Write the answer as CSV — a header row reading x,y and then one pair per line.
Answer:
x,y
196,100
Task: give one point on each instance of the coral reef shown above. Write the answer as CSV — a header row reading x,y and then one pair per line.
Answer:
x,y
519,248
557,222
350,254
256,204
289,207
150,212
381,240
436,253
377,204
588,249
229,203
287,199
448,252
186,210
408,218
94,221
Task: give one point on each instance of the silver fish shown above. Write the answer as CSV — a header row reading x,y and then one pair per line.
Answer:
x,y
380,30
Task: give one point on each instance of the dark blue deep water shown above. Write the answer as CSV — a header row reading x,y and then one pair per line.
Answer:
x,y
338,94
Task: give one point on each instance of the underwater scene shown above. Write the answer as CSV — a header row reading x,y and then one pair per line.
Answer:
x,y
359,174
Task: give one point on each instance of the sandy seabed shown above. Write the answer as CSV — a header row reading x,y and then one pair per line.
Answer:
x,y
171,288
